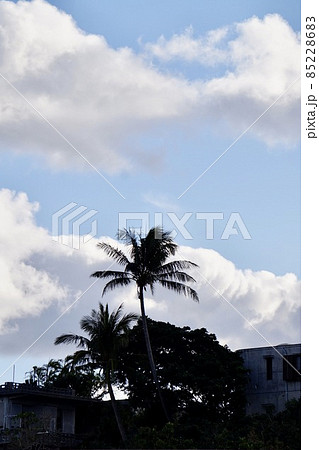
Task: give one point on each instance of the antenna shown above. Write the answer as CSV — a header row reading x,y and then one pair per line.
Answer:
x,y
13,372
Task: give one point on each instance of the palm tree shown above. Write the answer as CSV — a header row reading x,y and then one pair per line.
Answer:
x,y
148,265
46,374
107,334
51,371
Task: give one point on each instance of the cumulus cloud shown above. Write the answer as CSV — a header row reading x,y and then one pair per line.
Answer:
x,y
266,57
105,101
41,277
261,62
258,298
96,96
25,291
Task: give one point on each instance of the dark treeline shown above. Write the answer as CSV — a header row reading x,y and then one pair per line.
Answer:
x,y
202,382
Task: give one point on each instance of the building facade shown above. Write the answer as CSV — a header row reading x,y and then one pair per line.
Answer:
x,y
54,407
274,377
53,410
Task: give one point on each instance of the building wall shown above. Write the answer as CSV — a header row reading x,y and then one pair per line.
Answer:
x,y
53,418
8,411
3,407
272,381
68,421
47,414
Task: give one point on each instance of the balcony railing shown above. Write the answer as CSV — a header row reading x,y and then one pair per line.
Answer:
x,y
25,388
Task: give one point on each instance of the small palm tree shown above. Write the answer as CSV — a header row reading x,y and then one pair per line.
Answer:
x,y
46,374
107,333
52,370
148,265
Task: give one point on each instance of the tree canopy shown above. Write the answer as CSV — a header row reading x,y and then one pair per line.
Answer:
x,y
107,334
196,373
203,383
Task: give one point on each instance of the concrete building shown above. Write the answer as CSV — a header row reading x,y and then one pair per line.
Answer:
x,y
274,377
54,408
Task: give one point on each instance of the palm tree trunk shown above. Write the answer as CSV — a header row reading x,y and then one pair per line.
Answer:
x,y
115,409
150,353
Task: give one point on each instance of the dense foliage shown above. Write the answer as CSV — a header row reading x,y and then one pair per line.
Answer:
x,y
203,385
198,376
67,373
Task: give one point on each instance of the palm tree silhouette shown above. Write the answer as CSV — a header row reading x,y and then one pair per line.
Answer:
x,y
107,334
148,265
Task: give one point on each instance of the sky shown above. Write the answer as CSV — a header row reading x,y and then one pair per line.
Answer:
x,y
146,113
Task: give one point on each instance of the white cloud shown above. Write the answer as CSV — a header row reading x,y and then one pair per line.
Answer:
x,y
105,101
261,62
244,308
184,46
266,57
94,95
40,277
24,290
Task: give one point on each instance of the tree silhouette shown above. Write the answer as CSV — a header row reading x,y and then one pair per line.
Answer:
x,y
149,264
107,334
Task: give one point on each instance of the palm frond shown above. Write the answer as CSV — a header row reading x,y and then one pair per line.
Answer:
x,y
179,288
126,235
124,323
79,359
109,274
131,239
81,341
176,265
177,276
89,323
114,253
116,282
115,316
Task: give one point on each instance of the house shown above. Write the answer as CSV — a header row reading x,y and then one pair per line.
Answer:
x,y
274,377
54,408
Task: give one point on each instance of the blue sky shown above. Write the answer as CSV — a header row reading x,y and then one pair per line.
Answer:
x,y
122,22
152,93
